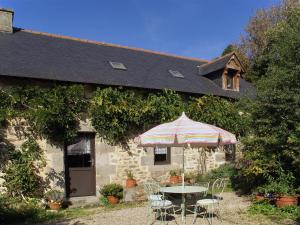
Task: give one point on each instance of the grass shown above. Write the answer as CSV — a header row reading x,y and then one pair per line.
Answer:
x,y
274,213
22,213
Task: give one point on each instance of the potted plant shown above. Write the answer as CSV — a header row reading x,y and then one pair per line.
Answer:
x,y
285,196
190,177
174,179
113,193
54,199
260,193
130,182
282,188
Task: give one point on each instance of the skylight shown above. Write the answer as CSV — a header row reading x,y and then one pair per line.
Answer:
x,y
117,65
176,73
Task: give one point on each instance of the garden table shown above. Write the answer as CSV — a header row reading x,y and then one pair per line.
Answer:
x,y
183,190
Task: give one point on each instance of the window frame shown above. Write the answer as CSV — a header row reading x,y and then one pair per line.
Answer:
x,y
168,157
234,80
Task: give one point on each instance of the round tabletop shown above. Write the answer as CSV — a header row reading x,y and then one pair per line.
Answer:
x,y
183,189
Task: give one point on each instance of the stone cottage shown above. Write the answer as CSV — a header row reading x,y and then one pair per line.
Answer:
x,y
81,168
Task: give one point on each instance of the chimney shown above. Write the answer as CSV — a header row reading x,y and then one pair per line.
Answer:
x,y
6,20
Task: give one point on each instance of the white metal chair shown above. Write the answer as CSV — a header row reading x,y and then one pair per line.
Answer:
x,y
157,203
193,198
210,206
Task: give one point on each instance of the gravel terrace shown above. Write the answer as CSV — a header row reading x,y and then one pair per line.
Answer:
x,y
233,213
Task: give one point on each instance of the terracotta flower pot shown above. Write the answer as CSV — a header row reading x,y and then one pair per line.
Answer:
x,y
174,179
286,200
112,200
54,205
179,179
259,197
130,183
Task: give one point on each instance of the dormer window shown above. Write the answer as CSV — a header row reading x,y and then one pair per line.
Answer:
x,y
224,71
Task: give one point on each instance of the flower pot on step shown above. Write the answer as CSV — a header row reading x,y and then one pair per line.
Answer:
x,y
112,200
54,205
130,183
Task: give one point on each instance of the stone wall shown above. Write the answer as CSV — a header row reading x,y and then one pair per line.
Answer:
x,y
54,171
112,162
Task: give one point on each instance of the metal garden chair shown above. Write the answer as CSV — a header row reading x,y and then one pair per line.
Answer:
x,y
210,206
157,203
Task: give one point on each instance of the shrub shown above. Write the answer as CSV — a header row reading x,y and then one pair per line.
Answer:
x,y
224,171
282,185
21,174
115,190
54,195
15,211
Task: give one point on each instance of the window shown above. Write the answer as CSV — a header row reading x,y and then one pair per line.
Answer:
x,y
117,65
175,73
162,156
229,81
79,152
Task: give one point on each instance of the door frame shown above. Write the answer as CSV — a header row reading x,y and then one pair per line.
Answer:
x,y
93,157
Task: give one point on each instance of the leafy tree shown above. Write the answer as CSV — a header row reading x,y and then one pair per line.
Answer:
x,y
274,142
230,48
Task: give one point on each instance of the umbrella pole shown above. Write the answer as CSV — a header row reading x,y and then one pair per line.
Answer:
x,y
183,207
183,167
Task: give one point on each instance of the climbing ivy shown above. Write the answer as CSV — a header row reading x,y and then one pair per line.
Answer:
x,y
219,112
119,114
114,112
50,113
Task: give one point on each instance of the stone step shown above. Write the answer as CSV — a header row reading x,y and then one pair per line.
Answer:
x,y
134,194
85,201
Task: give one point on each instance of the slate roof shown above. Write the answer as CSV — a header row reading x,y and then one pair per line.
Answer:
x,y
35,55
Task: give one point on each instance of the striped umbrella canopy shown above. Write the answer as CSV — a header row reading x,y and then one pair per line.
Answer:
x,y
185,132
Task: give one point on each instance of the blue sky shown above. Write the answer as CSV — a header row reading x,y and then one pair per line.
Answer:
x,y
194,28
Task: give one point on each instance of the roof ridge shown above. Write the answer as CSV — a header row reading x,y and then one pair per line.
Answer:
x,y
112,45
217,59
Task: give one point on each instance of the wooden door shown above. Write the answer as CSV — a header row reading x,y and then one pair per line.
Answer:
x,y
80,166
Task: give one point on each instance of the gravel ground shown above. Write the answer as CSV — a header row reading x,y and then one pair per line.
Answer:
x,y
233,213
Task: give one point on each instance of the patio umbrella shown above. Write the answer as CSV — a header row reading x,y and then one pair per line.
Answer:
x,y
185,132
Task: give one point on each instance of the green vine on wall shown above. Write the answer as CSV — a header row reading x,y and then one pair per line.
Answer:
x,y
119,114
50,113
